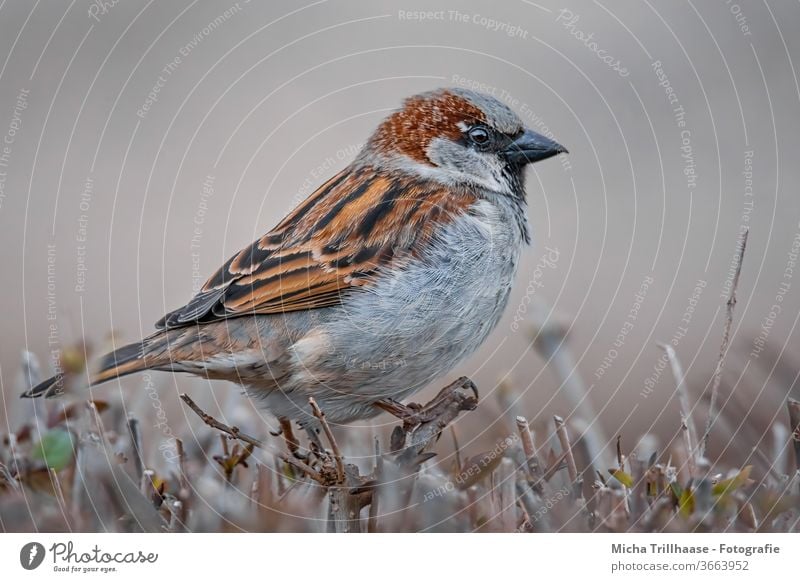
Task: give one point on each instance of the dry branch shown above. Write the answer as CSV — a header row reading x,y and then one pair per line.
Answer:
x,y
422,425
59,492
563,438
337,455
723,350
136,446
528,447
289,437
304,468
372,521
794,425
232,431
687,424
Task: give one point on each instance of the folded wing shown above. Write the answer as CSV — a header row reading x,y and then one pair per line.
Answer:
x,y
334,243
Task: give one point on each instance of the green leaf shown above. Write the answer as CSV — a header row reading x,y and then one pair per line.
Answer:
x,y
686,502
55,449
730,485
622,477
477,468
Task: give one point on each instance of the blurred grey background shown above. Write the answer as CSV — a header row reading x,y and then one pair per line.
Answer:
x,y
144,143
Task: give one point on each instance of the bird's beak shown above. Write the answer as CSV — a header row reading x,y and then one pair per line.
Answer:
x,y
532,147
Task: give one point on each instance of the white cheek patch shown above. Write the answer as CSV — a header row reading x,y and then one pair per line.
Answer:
x,y
461,164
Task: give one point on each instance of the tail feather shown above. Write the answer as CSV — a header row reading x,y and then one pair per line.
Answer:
x,y
126,360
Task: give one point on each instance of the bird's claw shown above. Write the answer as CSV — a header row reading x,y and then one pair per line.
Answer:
x,y
413,414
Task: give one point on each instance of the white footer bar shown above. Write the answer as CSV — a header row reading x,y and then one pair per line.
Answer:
x,y
493,557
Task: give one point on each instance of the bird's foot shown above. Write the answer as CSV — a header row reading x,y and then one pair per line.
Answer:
x,y
312,427
413,414
405,412
422,425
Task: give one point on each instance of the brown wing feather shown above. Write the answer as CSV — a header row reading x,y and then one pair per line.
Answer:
x,y
357,223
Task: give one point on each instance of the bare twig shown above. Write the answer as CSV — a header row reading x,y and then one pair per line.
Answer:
x,y
183,480
563,438
794,425
687,424
456,449
58,490
372,521
337,455
528,446
233,431
292,442
136,445
723,350
307,470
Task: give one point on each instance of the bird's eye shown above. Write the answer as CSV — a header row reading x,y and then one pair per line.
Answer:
x,y
479,136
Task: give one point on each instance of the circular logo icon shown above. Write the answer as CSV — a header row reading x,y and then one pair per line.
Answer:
x,y
31,555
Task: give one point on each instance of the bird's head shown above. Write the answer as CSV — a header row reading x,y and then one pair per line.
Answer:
x,y
460,137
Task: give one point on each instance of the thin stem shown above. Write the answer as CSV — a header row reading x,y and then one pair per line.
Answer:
x,y
221,426
723,350
337,455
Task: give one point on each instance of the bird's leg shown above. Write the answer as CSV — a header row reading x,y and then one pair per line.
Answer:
x,y
412,413
312,427
422,425
404,412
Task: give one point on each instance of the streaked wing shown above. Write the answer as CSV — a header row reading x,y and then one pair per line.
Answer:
x,y
332,244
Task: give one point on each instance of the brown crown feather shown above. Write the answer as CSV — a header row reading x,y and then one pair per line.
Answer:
x,y
410,130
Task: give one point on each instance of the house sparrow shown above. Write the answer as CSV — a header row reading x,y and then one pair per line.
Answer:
x,y
387,276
